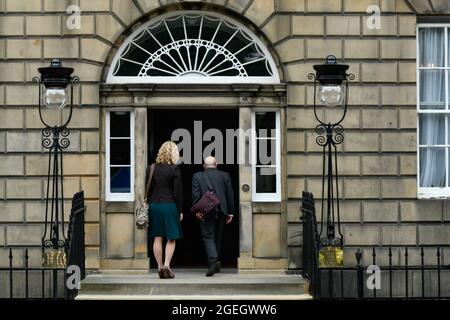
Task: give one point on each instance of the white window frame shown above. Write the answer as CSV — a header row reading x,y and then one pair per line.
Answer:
x,y
119,197
274,79
434,192
266,197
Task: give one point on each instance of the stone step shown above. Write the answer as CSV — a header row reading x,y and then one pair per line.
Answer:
x,y
193,285
280,297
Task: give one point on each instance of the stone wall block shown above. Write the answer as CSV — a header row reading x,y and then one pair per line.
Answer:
x,y
260,10
380,211
343,25
11,25
266,235
24,235
43,25
399,235
361,235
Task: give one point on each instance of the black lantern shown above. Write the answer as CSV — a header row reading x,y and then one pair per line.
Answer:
x,y
55,92
330,91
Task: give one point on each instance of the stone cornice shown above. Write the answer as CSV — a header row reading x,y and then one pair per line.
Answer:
x,y
234,89
430,6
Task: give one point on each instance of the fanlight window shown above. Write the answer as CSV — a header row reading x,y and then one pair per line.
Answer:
x,y
193,47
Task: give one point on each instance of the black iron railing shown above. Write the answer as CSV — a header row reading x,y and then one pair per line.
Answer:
x,y
405,272
27,282
426,278
31,283
75,238
310,242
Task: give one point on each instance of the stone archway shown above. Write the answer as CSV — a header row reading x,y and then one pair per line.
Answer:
x,y
258,15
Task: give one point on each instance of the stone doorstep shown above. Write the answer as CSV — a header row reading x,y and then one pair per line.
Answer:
x,y
188,284
135,272
195,297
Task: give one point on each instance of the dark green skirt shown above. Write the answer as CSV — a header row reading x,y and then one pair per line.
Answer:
x,y
165,221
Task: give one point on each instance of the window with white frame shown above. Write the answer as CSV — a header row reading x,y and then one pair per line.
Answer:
x,y
266,155
433,110
119,156
193,47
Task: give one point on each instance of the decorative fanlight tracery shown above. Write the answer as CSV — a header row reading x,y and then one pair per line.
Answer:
x,y
193,46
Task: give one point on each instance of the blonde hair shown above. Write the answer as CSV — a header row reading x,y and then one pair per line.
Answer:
x,y
168,153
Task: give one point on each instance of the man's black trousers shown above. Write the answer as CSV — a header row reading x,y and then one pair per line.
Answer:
x,y
212,231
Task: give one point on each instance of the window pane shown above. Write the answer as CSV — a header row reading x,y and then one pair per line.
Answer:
x,y
120,180
266,152
265,124
226,31
432,87
432,106
258,69
176,27
266,180
432,129
135,53
448,159
193,26
431,47
147,42
160,32
250,54
432,167
210,25
237,43
120,152
125,68
448,131
120,124
448,50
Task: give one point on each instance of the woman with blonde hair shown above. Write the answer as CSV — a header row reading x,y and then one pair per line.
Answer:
x,y
166,203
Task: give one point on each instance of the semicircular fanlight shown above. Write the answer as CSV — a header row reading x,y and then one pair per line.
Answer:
x,y
193,47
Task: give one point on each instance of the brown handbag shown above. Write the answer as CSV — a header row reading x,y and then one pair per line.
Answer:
x,y
207,202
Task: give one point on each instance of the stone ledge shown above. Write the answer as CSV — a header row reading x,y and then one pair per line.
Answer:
x,y
234,297
124,264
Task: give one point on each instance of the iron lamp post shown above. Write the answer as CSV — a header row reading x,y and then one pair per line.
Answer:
x,y
55,92
331,91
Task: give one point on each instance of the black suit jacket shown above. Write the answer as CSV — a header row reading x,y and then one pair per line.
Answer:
x,y
221,185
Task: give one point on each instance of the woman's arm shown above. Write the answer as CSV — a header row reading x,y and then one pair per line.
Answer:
x,y
147,176
178,189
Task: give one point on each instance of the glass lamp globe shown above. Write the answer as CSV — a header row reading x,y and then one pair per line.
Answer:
x,y
331,94
55,98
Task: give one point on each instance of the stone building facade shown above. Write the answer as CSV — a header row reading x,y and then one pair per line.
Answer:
x,y
378,160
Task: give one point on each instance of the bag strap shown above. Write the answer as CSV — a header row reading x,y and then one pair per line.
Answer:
x,y
150,176
208,181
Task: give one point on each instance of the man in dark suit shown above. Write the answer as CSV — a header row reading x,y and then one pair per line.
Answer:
x,y
212,226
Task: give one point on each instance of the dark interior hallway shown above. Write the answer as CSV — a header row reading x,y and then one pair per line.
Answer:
x,y
161,123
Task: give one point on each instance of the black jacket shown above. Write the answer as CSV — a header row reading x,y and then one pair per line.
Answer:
x,y
221,185
166,185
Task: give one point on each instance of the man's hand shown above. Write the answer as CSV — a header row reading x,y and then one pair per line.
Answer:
x,y
228,219
181,216
199,215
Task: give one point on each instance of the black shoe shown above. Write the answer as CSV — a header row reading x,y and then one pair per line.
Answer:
x,y
214,269
167,273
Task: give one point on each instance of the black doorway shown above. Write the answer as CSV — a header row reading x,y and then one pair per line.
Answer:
x,y
189,252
